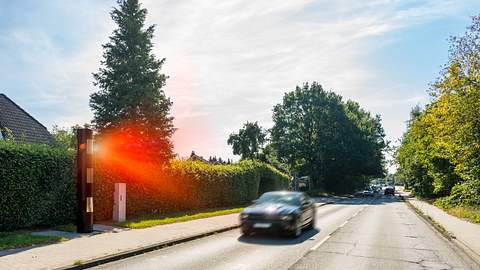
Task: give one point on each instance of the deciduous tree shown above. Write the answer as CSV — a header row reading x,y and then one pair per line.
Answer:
x,y
337,143
439,153
248,141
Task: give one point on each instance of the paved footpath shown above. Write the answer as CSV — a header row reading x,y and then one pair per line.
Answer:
x,y
89,247
465,232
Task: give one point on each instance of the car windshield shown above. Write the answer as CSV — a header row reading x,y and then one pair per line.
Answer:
x,y
290,199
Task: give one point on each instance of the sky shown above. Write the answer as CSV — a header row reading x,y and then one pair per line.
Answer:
x,y
231,61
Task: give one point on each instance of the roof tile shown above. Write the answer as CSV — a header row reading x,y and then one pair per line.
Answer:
x,y
23,125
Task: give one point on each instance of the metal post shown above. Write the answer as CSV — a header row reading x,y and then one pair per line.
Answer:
x,y
84,180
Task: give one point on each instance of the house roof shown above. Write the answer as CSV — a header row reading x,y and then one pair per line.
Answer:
x,y
22,125
196,157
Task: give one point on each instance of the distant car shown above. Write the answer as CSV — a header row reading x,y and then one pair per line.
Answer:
x,y
368,193
388,190
279,212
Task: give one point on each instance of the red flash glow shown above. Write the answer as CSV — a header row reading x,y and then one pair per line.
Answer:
x,y
130,157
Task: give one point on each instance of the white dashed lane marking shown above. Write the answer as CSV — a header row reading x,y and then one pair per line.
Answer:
x,y
341,226
320,243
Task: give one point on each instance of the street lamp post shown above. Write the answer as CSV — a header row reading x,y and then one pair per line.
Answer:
x,y
85,180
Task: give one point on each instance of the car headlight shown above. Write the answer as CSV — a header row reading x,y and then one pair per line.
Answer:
x,y
286,218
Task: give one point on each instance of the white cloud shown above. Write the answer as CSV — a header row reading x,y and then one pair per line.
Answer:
x,y
228,61
51,78
232,62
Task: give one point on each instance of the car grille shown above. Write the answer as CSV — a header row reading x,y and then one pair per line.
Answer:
x,y
257,217
260,217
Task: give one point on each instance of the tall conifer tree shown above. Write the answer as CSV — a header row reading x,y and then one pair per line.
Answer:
x,y
130,99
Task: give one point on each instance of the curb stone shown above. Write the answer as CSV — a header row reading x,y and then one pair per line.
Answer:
x,y
138,251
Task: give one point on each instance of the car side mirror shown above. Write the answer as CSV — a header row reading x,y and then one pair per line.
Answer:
x,y
254,201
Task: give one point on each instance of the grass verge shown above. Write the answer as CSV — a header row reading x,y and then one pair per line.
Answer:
x,y
468,213
18,239
154,220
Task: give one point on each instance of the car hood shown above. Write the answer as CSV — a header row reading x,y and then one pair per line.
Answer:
x,y
271,209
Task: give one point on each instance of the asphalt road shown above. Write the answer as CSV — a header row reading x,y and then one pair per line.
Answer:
x,y
380,233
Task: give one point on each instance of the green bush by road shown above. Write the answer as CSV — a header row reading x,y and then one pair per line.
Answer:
x,y
36,186
468,212
188,185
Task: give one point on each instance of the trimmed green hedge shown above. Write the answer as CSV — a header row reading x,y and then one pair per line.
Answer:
x,y
188,185
36,186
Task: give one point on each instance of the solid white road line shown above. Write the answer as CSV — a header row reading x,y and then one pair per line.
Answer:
x,y
320,243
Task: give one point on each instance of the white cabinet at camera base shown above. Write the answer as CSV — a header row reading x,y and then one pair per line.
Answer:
x,y
119,202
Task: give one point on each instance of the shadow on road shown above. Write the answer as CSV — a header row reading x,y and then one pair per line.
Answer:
x,y
272,240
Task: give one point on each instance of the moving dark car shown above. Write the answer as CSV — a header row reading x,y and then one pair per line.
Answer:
x,y
280,212
389,190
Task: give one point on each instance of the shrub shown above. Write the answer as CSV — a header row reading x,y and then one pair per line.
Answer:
x,y
36,186
187,185
467,193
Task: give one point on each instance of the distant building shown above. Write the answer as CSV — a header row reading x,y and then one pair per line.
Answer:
x,y
196,157
16,122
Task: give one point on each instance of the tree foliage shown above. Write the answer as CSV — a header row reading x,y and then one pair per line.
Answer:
x,y
439,153
131,99
66,138
270,156
248,141
337,143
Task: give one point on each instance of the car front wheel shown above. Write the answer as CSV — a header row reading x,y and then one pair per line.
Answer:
x,y
297,231
311,225
246,232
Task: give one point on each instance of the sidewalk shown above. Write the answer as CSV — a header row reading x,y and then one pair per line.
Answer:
x,y
93,246
468,234
89,247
